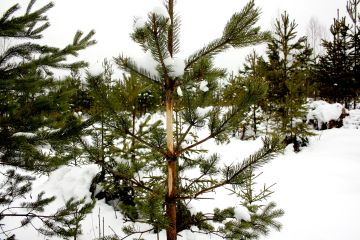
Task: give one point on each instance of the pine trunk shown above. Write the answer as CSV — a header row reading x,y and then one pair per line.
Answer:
x,y
255,121
171,233
171,164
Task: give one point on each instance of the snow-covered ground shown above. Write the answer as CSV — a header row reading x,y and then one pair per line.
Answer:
x,y
319,189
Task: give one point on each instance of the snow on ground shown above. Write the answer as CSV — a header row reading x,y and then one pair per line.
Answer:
x,y
324,112
353,120
319,188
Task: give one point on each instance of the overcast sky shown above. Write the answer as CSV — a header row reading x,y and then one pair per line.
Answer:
x,y
201,21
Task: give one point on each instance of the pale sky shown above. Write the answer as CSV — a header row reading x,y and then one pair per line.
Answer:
x,y
201,21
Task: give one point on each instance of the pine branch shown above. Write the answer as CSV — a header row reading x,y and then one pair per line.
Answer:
x,y
49,57
129,65
73,128
30,5
262,156
214,132
170,8
80,42
140,140
238,32
198,142
124,177
30,214
210,50
183,136
206,172
123,127
22,26
40,11
214,232
9,12
159,46
37,31
94,157
9,230
173,30
24,50
111,170
126,130
137,232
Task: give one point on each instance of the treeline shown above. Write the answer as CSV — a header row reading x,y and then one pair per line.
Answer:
x,y
294,73
336,77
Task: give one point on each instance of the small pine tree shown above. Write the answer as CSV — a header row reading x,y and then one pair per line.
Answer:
x,y
286,71
334,70
354,14
32,105
14,187
146,166
31,99
66,222
253,70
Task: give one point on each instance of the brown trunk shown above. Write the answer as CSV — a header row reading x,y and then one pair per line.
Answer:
x,y
133,139
254,121
171,201
171,164
171,156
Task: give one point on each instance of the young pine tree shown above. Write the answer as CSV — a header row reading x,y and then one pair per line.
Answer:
x,y
352,8
148,163
31,99
256,115
287,72
32,103
334,70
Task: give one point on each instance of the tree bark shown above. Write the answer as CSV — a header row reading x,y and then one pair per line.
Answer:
x,y
171,233
171,166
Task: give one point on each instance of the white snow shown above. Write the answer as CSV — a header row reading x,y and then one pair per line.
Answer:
x,y
88,140
161,11
313,105
202,112
318,188
77,114
24,134
353,120
147,62
139,22
203,86
177,66
75,182
192,208
179,91
45,149
242,213
323,112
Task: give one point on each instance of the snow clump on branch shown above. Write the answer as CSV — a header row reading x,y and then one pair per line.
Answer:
x,y
161,11
203,86
177,66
